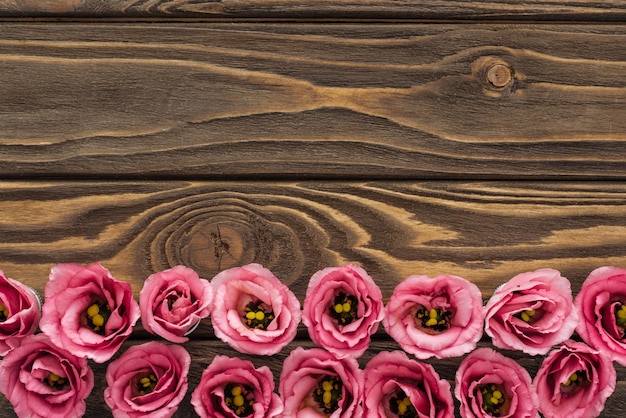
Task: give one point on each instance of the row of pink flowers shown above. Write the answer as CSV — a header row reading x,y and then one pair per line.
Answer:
x,y
151,379
89,313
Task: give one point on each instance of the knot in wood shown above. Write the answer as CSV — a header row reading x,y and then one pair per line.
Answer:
x,y
499,75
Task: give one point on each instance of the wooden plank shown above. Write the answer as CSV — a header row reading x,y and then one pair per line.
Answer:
x,y
296,100
607,10
486,232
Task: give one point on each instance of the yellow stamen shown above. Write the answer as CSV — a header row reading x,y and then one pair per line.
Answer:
x,y
432,314
530,312
259,315
250,315
93,310
236,391
327,386
493,400
497,394
573,377
525,317
431,322
327,397
621,314
402,407
346,307
238,400
54,377
338,308
98,320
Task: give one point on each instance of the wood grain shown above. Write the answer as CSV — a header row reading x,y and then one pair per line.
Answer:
x,y
486,232
608,10
297,100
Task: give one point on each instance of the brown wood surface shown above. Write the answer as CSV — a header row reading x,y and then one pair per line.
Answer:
x,y
300,100
609,10
470,148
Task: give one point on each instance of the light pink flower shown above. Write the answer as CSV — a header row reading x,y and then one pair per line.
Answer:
x,y
601,306
231,387
398,386
315,383
87,311
440,317
253,311
149,379
173,302
574,381
20,312
531,312
43,380
342,309
489,384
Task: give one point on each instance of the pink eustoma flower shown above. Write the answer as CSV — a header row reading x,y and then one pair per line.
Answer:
x,y
43,380
20,312
149,379
398,386
315,383
489,384
435,317
574,381
253,311
532,312
173,302
601,305
87,311
342,309
232,387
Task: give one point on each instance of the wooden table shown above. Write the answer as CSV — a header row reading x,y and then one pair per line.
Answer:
x,y
477,139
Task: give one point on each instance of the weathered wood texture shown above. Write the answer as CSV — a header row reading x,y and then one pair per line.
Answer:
x,y
608,10
297,100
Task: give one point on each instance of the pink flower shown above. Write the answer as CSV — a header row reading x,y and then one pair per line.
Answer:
x,y
315,383
231,387
87,311
488,384
574,381
43,380
398,386
253,311
342,309
601,305
20,312
440,317
531,312
173,302
149,379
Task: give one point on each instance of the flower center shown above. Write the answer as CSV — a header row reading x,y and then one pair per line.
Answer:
x,y
573,381
433,320
146,384
527,315
402,406
620,315
344,308
97,315
4,312
257,315
55,381
239,399
494,400
327,394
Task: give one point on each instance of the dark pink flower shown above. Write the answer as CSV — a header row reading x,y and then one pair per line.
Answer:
x,y
43,380
87,311
253,311
149,379
531,312
20,312
489,384
315,383
440,317
574,381
601,306
231,387
342,309
173,302
398,386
